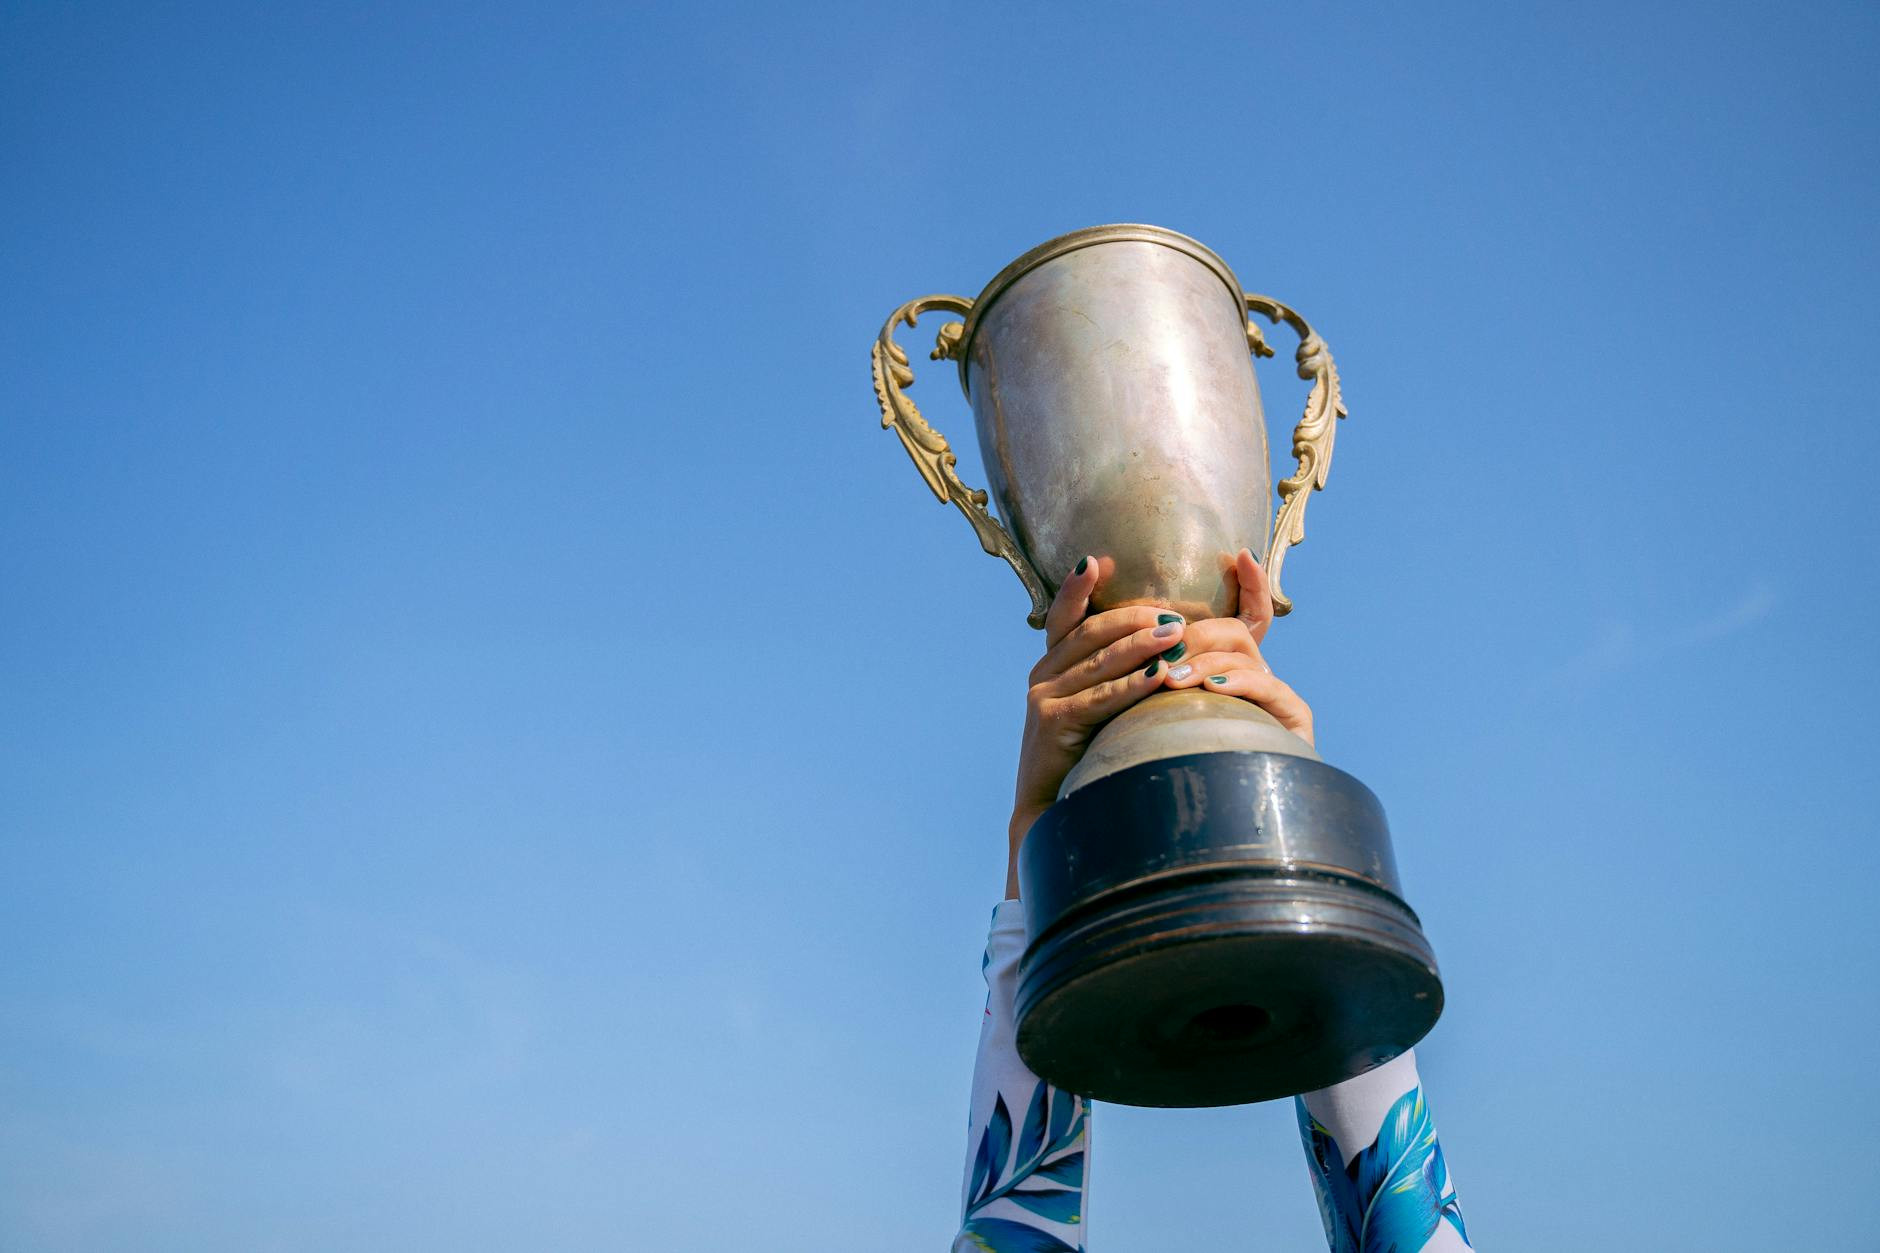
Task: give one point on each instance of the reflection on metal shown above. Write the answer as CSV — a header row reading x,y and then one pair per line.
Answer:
x,y
1118,415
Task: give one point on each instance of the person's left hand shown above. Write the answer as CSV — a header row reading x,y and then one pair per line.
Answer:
x,y
1223,655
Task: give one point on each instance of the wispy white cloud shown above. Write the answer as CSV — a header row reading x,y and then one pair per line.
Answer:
x,y
1756,604
1619,644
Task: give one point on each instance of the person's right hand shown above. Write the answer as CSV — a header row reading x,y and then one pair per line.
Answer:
x,y
1093,669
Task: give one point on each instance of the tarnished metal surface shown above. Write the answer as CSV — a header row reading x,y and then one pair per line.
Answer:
x,y
1174,723
1117,412
1217,928
1104,376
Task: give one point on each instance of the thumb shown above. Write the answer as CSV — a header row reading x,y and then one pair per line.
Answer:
x,y
1256,601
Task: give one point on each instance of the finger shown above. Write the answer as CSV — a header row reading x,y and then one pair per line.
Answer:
x,y
1134,651
1256,598
1071,602
1100,630
1220,635
1269,694
1103,701
1196,667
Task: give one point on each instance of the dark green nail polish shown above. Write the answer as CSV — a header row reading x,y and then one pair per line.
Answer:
x,y
1176,653
1217,678
1150,669
1163,619
1083,564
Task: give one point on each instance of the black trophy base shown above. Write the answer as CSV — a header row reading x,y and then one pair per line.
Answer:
x,y
1216,929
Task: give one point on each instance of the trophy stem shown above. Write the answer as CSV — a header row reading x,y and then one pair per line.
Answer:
x,y
1172,724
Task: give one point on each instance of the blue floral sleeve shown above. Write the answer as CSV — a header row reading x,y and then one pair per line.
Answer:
x,y
1027,1142
1394,1194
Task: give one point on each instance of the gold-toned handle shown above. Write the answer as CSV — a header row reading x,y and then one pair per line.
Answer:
x,y
1312,438
932,456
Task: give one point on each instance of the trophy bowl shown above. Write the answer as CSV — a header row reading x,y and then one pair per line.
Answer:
x,y
1213,915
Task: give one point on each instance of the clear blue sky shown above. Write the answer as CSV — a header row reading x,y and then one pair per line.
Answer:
x,y
498,751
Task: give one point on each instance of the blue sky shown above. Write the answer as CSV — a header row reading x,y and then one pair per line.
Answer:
x,y
499,750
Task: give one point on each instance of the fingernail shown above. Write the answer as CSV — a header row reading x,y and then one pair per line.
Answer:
x,y
1082,565
1167,630
1166,618
1176,653
1181,672
1150,670
1217,679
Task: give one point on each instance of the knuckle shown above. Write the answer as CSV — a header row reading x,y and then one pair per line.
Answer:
x,y
1254,685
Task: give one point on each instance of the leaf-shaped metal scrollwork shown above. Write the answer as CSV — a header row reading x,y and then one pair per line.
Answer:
x,y
933,457
1312,438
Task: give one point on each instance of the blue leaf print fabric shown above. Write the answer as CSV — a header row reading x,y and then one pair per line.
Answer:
x,y
1390,1196
1002,1235
1042,1172
1027,1141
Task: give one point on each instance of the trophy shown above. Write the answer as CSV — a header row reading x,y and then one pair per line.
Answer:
x,y
1213,915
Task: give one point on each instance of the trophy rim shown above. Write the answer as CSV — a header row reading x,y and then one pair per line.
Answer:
x,y
1071,241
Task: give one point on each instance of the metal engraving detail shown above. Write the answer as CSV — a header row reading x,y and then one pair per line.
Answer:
x,y
1312,438
932,455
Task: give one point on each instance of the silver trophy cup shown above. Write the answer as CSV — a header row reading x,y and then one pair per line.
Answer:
x,y
1213,914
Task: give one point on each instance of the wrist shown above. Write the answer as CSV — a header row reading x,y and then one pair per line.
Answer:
x,y
1022,818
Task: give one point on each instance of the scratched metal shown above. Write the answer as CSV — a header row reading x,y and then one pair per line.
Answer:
x,y
1118,415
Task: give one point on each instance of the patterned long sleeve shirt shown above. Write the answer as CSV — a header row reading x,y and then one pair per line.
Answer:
x,y
1027,1176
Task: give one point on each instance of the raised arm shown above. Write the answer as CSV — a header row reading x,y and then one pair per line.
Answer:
x,y
1028,1143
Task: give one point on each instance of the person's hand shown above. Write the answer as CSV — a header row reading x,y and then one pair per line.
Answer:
x,y
1093,669
1223,655
1096,667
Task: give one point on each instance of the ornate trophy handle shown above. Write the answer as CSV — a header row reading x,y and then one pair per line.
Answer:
x,y
1312,438
933,457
